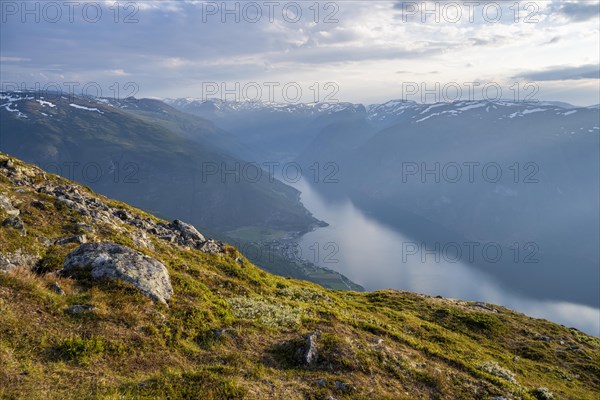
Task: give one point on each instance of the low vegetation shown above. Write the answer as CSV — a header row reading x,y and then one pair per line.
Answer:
x,y
233,331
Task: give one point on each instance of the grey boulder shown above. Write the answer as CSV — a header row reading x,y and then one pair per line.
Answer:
x,y
114,261
8,207
187,231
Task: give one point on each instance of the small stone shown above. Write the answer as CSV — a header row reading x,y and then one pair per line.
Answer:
x,y
72,239
219,333
15,222
169,238
85,227
344,387
39,204
17,259
141,239
123,215
80,308
57,289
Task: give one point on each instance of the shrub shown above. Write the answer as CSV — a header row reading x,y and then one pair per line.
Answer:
x,y
52,261
303,294
272,315
80,350
492,367
542,394
477,321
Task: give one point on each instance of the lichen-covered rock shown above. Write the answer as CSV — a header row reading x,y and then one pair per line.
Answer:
x,y
310,351
211,247
94,208
188,232
8,207
114,261
17,259
142,240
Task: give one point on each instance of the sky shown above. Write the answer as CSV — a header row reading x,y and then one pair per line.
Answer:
x,y
285,51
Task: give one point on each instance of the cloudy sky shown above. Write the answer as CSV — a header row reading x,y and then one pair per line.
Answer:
x,y
371,51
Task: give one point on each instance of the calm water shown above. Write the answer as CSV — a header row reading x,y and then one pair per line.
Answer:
x,y
370,254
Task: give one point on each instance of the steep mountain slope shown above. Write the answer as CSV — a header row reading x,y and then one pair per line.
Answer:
x,y
190,126
138,160
149,154
232,331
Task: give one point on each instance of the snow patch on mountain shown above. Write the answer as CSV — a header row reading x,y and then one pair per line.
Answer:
x,y
45,103
85,108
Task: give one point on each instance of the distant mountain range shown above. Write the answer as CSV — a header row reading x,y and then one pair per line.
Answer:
x,y
546,152
280,132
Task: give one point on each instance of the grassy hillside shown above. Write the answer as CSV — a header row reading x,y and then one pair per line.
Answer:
x,y
233,331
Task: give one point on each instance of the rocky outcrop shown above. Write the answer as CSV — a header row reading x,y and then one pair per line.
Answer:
x,y
114,261
92,207
8,207
17,259
187,232
211,246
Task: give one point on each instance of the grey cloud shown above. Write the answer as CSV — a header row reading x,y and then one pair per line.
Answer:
x,y
591,71
580,11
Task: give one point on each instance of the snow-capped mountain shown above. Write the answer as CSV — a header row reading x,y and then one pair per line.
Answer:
x,y
221,107
380,114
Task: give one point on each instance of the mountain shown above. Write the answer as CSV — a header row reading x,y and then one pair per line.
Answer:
x,y
279,132
509,174
544,205
271,132
132,155
147,153
102,300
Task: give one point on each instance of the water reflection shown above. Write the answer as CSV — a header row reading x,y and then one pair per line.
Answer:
x,y
374,256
